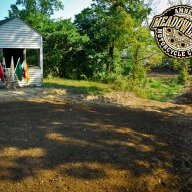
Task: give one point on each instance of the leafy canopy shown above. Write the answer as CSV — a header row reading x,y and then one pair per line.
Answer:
x,y
45,7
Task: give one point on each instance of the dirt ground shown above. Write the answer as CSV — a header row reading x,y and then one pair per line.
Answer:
x,y
53,140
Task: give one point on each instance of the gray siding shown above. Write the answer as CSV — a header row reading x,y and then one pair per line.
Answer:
x,y
17,34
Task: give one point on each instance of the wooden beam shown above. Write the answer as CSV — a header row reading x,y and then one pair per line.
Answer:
x,y
41,59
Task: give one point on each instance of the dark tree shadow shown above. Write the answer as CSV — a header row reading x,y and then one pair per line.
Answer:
x,y
38,136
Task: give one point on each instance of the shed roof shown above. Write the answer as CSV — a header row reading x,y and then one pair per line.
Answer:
x,y
2,22
15,33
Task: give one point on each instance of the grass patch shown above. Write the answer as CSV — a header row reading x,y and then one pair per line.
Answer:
x,y
163,88
86,87
157,88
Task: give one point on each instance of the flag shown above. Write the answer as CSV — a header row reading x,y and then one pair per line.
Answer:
x,y
3,63
4,68
2,77
12,70
26,72
19,71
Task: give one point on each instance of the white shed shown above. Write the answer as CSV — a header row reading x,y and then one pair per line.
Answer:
x,y
17,39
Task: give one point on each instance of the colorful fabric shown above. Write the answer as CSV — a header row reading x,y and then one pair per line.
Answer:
x,y
12,70
26,72
3,63
2,76
19,71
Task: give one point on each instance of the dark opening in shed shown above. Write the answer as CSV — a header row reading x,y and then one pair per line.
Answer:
x,y
15,53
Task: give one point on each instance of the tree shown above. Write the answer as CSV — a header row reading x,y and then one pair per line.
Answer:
x,y
36,13
64,52
45,7
108,24
136,8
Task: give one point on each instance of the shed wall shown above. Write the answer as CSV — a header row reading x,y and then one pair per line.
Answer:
x,y
16,34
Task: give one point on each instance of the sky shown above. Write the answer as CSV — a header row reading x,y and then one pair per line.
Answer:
x,y
72,7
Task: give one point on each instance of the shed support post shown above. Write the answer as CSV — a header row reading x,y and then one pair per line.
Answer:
x,y
25,53
41,60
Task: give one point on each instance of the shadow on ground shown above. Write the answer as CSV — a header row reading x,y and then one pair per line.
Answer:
x,y
73,147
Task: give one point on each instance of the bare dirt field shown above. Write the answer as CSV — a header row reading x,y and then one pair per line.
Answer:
x,y
53,141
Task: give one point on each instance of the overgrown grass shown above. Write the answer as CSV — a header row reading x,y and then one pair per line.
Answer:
x,y
163,88
86,87
156,88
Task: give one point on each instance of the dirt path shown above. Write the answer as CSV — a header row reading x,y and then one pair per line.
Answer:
x,y
51,143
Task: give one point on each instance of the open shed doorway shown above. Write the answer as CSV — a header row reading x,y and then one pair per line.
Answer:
x,y
15,53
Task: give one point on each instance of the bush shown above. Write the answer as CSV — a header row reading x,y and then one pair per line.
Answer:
x,y
122,83
183,76
183,67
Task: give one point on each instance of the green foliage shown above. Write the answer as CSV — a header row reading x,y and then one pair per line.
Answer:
x,y
110,26
183,67
136,65
123,83
183,75
107,42
64,50
32,57
45,7
162,89
136,8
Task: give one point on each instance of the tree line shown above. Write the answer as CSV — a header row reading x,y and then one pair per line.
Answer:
x,y
108,41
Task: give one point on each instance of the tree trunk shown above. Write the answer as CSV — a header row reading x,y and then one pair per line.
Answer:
x,y
136,55
111,56
135,62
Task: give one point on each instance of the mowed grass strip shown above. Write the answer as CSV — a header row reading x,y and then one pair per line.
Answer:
x,y
78,86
